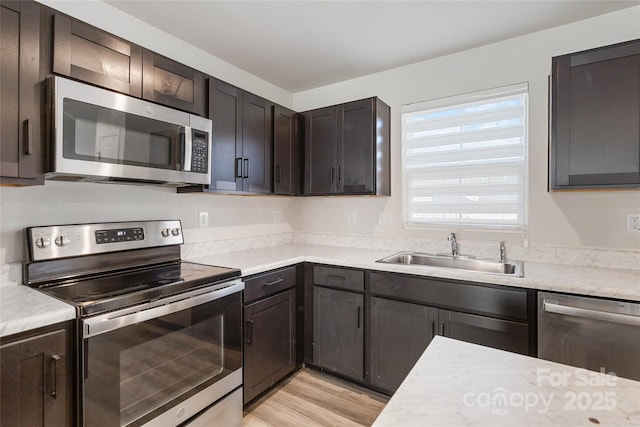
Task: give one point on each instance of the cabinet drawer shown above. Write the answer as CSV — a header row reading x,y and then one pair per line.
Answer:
x,y
496,333
339,278
459,296
269,283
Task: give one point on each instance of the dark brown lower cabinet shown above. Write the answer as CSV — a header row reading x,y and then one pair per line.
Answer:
x,y
400,332
269,349
338,331
36,380
408,311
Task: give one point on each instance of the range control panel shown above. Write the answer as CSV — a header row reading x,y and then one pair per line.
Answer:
x,y
61,241
117,235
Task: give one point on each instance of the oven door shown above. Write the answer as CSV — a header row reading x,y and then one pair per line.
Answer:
x,y
162,362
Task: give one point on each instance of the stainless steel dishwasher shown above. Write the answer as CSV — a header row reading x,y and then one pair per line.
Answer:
x,y
590,333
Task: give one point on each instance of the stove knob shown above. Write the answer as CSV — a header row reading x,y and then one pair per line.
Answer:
x,y
62,240
165,232
43,242
175,231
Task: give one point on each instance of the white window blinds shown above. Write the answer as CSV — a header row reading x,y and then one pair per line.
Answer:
x,y
464,160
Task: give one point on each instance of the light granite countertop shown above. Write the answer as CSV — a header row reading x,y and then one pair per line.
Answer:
x,y
609,283
22,308
455,383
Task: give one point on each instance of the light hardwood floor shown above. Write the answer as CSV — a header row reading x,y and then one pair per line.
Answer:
x,y
310,398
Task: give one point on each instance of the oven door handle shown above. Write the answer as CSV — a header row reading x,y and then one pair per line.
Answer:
x,y
120,319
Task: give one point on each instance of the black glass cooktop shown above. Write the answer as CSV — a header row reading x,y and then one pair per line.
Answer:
x,y
119,290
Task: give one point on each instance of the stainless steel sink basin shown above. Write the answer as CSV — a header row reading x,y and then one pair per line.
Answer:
x,y
508,268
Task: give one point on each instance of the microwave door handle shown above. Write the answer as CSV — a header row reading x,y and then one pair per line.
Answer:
x,y
187,149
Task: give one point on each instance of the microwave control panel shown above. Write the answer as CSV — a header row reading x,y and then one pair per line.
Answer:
x,y
200,152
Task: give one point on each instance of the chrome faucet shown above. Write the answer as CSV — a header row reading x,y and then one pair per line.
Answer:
x,y
503,257
454,244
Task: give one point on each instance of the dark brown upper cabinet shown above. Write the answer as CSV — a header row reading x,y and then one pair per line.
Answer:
x,y
21,88
594,140
86,53
286,152
347,149
173,84
241,141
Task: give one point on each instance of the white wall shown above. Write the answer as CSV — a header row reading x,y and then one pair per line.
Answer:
x,y
585,219
576,219
107,17
65,203
69,203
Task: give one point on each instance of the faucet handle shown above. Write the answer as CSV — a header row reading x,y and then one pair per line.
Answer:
x,y
503,256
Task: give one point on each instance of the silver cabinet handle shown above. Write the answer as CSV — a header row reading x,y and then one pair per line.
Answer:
x,y
55,359
28,137
274,282
591,314
249,331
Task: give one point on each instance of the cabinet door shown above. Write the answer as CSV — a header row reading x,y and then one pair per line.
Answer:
x,y
496,333
225,110
400,332
256,144
338,336
269,345
94,56
286,161
33,382
173,84
356,150
321,138
595,118
20,140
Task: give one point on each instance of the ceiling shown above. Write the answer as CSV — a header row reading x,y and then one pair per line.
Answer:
x,y
299,45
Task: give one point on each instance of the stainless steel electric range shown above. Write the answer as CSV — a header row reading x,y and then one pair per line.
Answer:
x,y
160,339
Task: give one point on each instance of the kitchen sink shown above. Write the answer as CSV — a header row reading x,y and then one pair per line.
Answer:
x,y
507,268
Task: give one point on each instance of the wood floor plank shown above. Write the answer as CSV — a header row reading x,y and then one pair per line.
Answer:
x,y
352,404
314,399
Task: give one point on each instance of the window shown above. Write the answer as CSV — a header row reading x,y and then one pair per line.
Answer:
x,y
464,160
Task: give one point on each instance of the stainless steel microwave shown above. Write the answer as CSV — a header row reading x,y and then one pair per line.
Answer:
x,y
102,136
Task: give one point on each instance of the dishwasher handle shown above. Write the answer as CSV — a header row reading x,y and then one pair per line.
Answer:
x,y
591,314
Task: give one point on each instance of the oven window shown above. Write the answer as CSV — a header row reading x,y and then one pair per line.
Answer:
x,y
135,373
104,135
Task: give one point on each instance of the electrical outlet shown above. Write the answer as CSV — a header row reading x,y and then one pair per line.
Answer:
x,y
277,216
203,219
351,217
385,218
633,223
